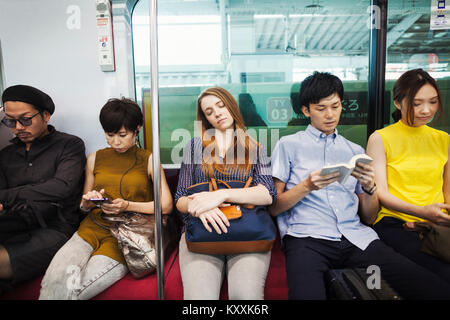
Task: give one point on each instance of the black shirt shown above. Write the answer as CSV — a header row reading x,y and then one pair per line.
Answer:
x,y
52,171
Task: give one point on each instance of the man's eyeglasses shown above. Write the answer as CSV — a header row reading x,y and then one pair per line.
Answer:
x,y
25,121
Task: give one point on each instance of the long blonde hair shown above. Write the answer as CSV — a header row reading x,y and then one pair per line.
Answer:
x,y
241,138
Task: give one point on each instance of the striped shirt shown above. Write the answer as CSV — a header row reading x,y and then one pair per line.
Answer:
x,y
191,170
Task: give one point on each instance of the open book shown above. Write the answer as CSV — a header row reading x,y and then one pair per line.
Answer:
x,y
345,169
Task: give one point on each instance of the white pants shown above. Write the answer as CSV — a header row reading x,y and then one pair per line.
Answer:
x,y
203,274
74,274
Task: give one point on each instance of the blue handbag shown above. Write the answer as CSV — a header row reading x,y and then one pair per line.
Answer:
x,y
251,227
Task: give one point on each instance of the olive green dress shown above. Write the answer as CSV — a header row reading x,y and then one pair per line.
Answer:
x,y
122,175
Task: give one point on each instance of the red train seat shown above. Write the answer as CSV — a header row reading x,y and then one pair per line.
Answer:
x,y
129,288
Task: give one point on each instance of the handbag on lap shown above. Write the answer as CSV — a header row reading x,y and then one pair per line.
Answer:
x,y
251,227
435,239
135,234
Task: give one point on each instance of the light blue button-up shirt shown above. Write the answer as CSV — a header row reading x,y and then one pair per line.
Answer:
x,y
327,213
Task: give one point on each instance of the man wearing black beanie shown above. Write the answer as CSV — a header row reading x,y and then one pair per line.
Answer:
x,y
41,179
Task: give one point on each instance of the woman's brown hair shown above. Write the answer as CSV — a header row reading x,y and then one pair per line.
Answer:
x,y
407,86
241,138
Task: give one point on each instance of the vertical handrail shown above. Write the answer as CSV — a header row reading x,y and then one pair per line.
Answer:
x,y
377,66
224,30
155,146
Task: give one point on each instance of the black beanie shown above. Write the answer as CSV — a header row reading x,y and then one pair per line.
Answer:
x,y
40,100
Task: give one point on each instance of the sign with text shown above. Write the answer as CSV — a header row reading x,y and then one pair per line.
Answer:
x,y
279,109
440,15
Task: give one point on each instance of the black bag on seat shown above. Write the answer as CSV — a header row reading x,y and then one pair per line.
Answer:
x,y
351,284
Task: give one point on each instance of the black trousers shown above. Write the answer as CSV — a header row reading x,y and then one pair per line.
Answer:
x,y
308,259
408,243
30,248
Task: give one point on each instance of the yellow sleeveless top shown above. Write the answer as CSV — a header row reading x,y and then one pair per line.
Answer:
x,y
122,175
415,160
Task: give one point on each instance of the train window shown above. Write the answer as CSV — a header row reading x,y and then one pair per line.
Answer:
x,y
258,50
411,43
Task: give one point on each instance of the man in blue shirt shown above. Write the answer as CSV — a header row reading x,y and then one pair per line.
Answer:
x,y
323,223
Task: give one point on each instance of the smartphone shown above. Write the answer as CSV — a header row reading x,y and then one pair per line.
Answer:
x,y
100,201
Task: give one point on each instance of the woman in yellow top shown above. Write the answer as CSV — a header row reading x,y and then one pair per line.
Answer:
x,y
91,261
412,169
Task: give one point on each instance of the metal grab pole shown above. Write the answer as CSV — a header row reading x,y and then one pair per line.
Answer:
x,y
155,146
377,66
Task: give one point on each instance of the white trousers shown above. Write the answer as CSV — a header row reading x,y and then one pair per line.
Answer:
x,y
203,274
74,274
